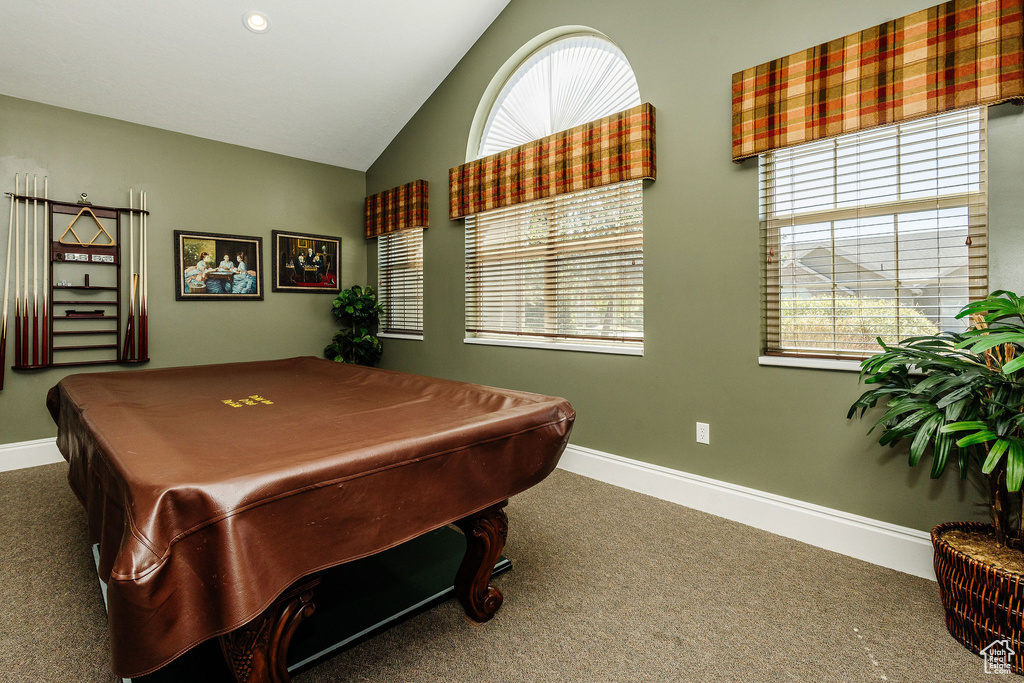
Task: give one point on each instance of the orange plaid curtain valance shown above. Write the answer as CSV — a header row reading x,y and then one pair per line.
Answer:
x,y
951,56
397,209
609,150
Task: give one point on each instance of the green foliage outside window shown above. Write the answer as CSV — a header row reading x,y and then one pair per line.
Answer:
x,y
849,323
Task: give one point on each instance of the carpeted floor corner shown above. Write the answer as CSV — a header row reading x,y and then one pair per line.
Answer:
x,y
608,585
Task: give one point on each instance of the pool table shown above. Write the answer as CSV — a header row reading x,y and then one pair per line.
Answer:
x,y
218,493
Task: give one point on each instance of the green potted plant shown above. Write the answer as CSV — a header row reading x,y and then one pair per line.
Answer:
x,y
960,397
357,310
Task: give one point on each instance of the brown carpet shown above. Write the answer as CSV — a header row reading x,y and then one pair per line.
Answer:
x,y
607,585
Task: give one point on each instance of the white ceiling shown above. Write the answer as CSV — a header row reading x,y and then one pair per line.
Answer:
x,y
331,80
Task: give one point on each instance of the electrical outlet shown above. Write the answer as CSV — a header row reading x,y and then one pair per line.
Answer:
x,y
703,433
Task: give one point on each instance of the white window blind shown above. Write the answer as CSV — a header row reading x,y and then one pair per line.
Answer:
x,y
881,233
566,83
567,268
400,281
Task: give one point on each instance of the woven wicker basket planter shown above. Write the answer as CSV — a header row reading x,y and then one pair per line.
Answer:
x,y
983,603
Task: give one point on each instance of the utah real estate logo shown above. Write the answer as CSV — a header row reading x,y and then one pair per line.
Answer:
x,y
998,656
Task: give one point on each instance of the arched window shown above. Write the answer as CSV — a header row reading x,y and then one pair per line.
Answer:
x,y
566,271
569,81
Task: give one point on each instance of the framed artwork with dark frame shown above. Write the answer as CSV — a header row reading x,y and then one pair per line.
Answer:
x,y
209,266
305,263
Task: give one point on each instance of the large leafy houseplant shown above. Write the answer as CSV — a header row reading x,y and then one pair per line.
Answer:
x,y
357,310
960,395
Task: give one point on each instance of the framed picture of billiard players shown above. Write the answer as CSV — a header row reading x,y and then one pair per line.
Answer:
x,y
215,267
301,262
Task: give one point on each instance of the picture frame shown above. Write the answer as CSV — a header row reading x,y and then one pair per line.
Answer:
x,y
219,278
303,262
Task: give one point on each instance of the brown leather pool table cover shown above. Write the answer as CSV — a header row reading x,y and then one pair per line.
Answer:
x,y
211,489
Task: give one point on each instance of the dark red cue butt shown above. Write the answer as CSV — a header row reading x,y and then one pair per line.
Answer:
x,y
44,344
3,352
24,336
129,338
35,333
17,332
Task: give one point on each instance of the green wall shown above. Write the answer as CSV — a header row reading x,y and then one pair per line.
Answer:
x,y
192,184
775,429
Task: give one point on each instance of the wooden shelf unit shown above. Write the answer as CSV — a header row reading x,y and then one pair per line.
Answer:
x,y
79,256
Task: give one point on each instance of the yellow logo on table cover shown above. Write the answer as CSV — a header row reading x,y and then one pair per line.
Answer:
x,y
253,400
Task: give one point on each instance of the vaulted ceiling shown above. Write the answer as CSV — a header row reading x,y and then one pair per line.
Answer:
x,y
330,80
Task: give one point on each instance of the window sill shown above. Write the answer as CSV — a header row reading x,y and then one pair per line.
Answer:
x,y
813,363
396,335
557,346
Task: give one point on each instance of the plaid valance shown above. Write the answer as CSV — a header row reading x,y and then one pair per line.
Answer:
x,y
954,55
397,209
610,150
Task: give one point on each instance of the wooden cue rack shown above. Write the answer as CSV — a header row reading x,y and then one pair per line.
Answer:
x,y
82,331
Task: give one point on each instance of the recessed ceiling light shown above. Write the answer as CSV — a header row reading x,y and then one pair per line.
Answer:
x,y
256,22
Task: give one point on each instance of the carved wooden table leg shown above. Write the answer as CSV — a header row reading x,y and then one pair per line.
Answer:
x,y
256,652
486,532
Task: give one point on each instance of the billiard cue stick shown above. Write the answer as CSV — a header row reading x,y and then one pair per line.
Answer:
x,y
145,284
24,290
7,284
17,269
45,344
139,353
129,331
144,293
35,270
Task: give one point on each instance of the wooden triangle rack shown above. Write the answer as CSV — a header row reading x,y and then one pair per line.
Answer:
x,y
78,240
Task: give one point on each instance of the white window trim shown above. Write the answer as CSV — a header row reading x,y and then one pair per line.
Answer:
x,y
381,289
794,357
395,335
610,85
499,79
557,346
477,130
813,363
821,364
519,336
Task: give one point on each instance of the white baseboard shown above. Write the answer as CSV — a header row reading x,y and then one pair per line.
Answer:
x,y
901,548
16,456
